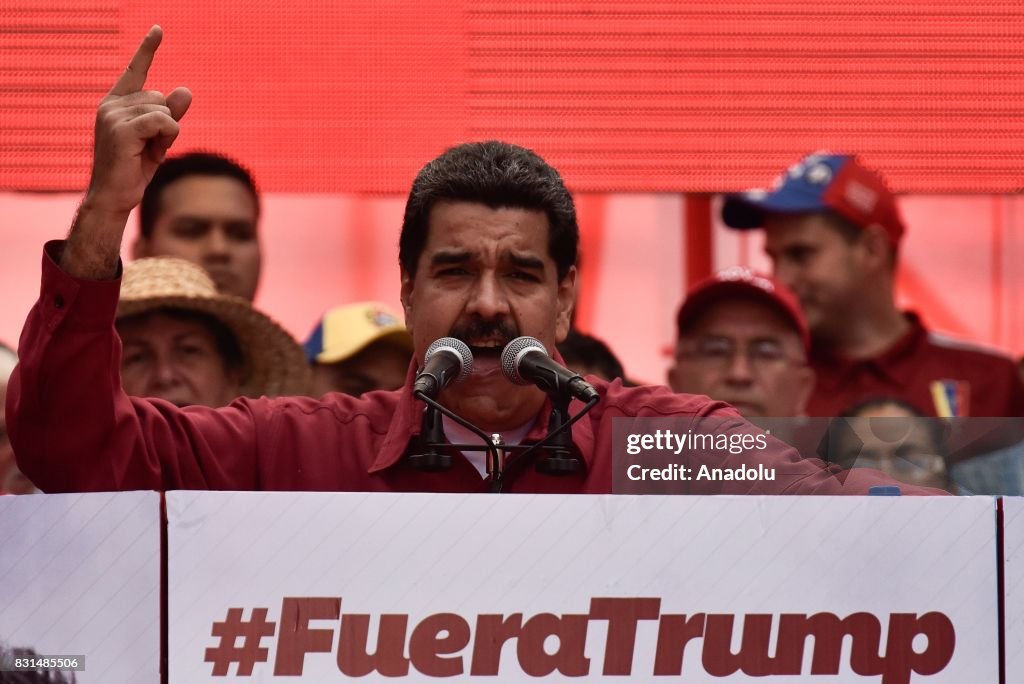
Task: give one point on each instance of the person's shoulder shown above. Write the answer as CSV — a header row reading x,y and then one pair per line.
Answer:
x,y
656,400
968,351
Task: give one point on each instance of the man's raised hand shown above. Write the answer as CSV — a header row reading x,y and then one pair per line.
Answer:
x,y
134,129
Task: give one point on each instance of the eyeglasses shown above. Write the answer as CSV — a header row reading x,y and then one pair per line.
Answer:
x,y
715,350
904,467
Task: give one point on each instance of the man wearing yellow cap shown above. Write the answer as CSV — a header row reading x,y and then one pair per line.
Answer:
x,y
358,348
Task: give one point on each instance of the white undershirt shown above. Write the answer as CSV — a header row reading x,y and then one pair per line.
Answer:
x,y
456,434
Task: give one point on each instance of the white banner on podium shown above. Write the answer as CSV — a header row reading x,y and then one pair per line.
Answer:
x,y
80,581
1013,584
282,587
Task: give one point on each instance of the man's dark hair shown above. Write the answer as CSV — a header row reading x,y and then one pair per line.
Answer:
x,y
935,427
191,164
839,428
580,349
498,175
851,232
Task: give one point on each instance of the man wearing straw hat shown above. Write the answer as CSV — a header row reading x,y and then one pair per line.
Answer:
x,y
185,343
487,253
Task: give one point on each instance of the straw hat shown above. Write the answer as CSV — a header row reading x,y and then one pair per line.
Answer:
x,y
275,364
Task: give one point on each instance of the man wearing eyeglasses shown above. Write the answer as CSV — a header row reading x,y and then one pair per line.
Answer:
x,y
742,339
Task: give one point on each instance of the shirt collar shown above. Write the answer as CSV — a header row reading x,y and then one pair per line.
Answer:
x,y
405,426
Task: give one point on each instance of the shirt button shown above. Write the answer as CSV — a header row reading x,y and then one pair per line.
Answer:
x,y
58,302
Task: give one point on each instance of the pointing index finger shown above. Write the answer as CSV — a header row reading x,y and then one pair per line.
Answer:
x,y
134,76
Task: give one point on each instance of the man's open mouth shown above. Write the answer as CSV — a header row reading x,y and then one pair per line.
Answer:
x,y
486,349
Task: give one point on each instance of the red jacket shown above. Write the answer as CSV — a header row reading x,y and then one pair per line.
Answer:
x,y
981,382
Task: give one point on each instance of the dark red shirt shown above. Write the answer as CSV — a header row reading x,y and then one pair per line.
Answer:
x,y
975,381
74,429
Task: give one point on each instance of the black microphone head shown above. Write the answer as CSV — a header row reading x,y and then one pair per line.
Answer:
x,y
457,347
513,352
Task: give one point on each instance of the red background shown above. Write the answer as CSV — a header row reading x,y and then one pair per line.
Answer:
x,y
621,96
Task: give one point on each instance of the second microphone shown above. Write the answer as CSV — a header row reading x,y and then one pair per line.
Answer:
x,y
525,360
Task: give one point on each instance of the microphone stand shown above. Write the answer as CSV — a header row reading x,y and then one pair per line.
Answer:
x,y
557,444
433,440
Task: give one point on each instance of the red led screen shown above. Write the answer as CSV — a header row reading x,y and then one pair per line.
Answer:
x,y
621,96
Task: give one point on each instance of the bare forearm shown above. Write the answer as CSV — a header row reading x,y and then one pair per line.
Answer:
x,y
94,243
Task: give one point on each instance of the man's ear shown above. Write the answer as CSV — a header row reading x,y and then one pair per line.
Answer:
x,y
566,300
877,248
674,377
406,296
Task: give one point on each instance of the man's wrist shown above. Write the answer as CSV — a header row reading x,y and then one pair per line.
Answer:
x,y
97,211
94,243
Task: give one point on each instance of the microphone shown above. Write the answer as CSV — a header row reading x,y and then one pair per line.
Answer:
x,y
525,360
447,360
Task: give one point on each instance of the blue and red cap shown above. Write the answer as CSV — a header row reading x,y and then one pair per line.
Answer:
x,y
818,183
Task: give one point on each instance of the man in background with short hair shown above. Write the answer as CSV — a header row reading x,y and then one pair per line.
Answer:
x,y
833,232
204,208
588,355
742,340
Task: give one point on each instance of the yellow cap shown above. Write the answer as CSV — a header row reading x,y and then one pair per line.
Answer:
x,y
345,331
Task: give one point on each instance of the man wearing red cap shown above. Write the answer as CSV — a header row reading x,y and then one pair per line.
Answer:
x,y
833,232
742,340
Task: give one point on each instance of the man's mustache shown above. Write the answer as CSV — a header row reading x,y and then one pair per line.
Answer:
x,y
502,329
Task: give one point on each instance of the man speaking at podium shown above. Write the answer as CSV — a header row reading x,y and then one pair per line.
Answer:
x,y
487,254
